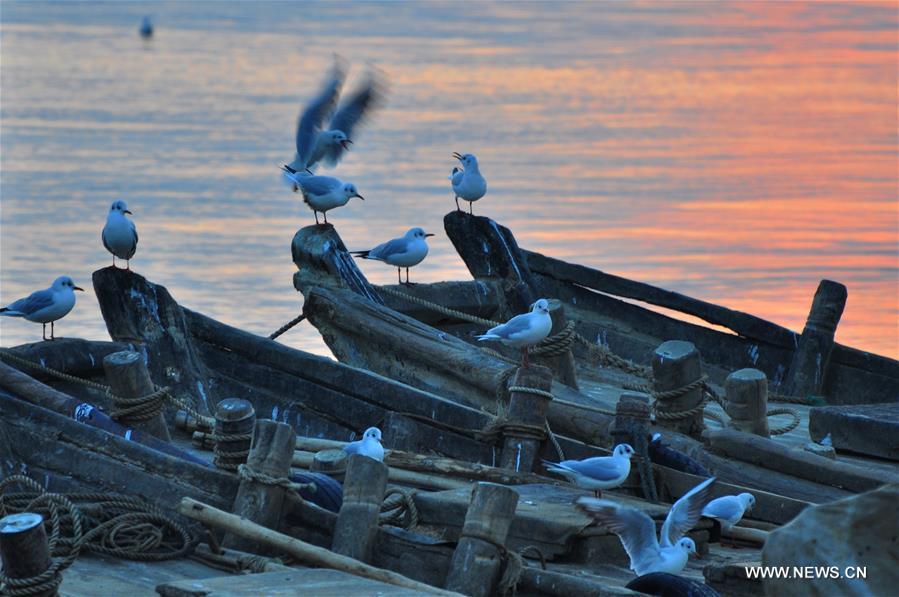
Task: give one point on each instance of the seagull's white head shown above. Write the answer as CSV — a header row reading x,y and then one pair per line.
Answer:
x,y
541,306
623,450
748,500
372,433
687,545
417,233
119,206
349,190
337,137
468,160
65,283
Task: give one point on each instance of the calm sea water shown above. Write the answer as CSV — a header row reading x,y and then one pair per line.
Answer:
x,y
736,152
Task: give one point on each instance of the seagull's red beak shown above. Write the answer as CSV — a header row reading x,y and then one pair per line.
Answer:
x,y
79,288
346,143
128,212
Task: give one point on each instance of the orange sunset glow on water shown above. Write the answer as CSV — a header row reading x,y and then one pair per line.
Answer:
x,y
734,152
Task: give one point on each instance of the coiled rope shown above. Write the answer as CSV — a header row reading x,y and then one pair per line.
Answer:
x,y
399,507
120,526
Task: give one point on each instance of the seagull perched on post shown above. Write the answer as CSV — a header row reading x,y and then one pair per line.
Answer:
x,y
597,473
45,306
468,183
404,252
523,330
369,445
314,143
322,193
119,234
637,531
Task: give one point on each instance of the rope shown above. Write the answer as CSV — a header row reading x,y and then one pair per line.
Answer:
x,y
785,428
120,526
230,461
287,326
438,308
398,506
129,404
512,562
134,410
248,474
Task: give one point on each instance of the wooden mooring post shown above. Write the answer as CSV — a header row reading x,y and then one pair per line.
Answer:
x,y
675,366
235,420
331,462
357,522
525,423
747,401
24,547
631,426
809,365
478,559
260,502
129,378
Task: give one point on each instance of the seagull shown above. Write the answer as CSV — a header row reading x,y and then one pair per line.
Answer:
x,y
404,252
468,183
637,531
314,143
322,193
369,445
146,28
729,509
45,306
119,235
523,330
598,473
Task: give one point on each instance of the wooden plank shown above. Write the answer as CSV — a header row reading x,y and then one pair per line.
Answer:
x,y
742,323
871,429
74,356
312,581
322,258
799,463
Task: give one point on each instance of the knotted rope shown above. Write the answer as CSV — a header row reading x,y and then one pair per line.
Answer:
x,y
399,507
230,461
121,526
248,474
134,409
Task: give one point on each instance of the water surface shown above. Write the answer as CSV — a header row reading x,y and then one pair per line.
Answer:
x,y
735,152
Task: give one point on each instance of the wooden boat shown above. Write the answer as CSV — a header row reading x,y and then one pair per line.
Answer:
x,y
414,371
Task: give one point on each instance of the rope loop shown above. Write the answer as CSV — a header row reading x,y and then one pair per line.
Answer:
x,y
399,506
248,474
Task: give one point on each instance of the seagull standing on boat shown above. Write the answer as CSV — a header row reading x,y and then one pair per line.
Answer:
x,y
369,445
637,531
598,473
468,183
45,306
322,193
119,234
523,330
729,509
405,252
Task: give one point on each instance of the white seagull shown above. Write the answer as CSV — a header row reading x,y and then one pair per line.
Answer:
x,y
119,235
322,193
729,509
314,143
45,306
637,531
597,473
468,183
404,252
369,445
523,330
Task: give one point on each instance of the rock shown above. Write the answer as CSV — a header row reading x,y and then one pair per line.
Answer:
x,y
845,540
871,429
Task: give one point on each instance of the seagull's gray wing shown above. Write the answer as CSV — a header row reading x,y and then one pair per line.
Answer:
x,y
457,177
353,447
317,185
33,303
516,325
317,111
636,530
395,246
725,508
134,234
685,512
353,112
600,468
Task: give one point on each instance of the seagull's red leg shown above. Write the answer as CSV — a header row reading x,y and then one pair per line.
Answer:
x,y
524,357
399,275
44,331
457,204
52,331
